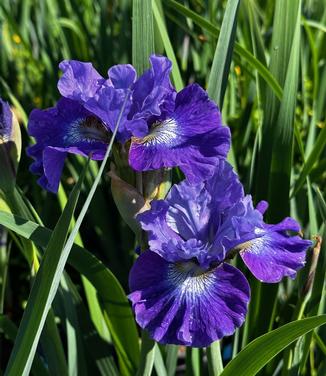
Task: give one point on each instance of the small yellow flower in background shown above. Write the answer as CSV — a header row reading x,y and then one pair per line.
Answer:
x,y
37,101
16,38
237,70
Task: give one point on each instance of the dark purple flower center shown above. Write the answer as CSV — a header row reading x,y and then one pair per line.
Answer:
x,y
189,276
88,129
161,132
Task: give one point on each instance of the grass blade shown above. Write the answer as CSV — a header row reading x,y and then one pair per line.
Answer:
x,y
142,34
281,164
218,77
171,359
9,329
46,281
311,160
238,49
176,76
115,304
214,359
260,351
51,269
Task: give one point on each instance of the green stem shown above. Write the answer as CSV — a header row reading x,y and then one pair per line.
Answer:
x,y
146,356
214,359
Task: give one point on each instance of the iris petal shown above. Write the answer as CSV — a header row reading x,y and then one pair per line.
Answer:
x,y
66,128
79,81
179,303
191,137
274,255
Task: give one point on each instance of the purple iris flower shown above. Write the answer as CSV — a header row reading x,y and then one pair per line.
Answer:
x,y
183,291
184,129
103,97
66,128
82,122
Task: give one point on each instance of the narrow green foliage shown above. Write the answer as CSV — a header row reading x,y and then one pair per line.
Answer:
x,y
214,359
171,359
113,298
142,34
223,54
281,164
259,352
238,49
9,330
147,355
43,292
176,76
311,160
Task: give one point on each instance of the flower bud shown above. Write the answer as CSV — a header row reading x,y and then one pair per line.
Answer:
x,y
10,147
157,183
128,200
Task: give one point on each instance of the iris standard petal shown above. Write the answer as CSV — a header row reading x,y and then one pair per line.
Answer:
x,y
122,76
79,81
191,137
154,222
153,92
179,303
107,104
193,220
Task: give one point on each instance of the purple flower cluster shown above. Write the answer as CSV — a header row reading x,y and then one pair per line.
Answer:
x,y
183,289
165,128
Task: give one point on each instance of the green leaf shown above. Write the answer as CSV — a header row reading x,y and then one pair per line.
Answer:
x,y
43,291
147,355
218,77
176,76
260,351
273,170
50,272
159,363
171,359
283,132
114,301
238,49
9,329
142,34
214,359
321,203
311,160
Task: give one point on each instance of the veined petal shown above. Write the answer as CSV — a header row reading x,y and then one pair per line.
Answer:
x,y
153,92
107,105
53,162
122,76
68,127
193,220
79,81
154,222
179,303
191,137
273,255
189,211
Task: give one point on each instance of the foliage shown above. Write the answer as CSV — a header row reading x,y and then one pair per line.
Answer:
x,y
265,63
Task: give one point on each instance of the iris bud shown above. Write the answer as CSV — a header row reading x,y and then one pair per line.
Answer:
x,y
10,147
128,200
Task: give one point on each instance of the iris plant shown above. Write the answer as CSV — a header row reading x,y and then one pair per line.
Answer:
x,y
184,289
